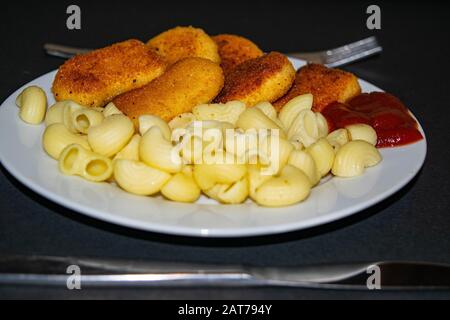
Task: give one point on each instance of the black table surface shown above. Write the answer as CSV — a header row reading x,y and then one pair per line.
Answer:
x,y
413,224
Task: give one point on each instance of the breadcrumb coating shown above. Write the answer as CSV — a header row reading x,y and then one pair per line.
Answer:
x,y
95,78
187,83
325,84
184,42
234,50
266,78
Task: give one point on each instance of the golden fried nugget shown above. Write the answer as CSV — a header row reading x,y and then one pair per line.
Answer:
x,y
234,50
325,84
184,42
187,83
266,78
95,78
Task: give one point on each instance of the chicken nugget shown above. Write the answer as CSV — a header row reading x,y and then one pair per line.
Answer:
x,y
325,84
187,83
95,78
234,50
266,78
184,42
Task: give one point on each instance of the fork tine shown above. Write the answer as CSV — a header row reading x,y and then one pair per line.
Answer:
x,y
353,46
356,50
343,55
351,56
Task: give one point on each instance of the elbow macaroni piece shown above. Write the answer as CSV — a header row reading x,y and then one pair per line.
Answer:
x,y
214,191
69,109
296,143
131,150
274,159
308,127
33,104
243,145
85,118
191,149
182,188
234,193
110,109
305,162
181,121
354,157
156,151
268,109
228,112
111,136
256,178
147,121
57,137
208,175
323,154
138,178
76,160
254,118
290,187
322,125
338,138
292,109
363,132
55,114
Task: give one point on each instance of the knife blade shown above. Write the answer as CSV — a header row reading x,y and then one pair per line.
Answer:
x,y
46,270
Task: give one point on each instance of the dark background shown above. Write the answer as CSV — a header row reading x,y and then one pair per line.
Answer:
x,y
414,224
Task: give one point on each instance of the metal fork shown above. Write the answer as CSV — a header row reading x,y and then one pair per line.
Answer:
x,y
346,54
332,58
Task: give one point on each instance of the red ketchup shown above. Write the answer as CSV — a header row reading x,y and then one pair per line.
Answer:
x,y
391,120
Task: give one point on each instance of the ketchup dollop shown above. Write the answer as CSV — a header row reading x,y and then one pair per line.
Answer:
x,y
391,120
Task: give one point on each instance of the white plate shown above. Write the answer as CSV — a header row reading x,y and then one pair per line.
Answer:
x,y
22,155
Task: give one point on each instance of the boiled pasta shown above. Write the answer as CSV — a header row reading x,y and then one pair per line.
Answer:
x,y
131,150
111,109
323,154
182,188
111,135
290,187
354,157
158,152
304,161
33,105
138,178
147,121
361,131
85,118
76,160
227,112
55,114
56,137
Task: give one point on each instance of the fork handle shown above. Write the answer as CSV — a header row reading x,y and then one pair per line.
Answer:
x,y
67,52
61,51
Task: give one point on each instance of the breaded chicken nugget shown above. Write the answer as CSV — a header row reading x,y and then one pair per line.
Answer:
x,y
234,50
187,83
266,78
184,42
95,78
325,84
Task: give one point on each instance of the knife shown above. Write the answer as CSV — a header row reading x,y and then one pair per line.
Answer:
x,y
53,271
